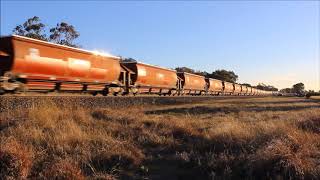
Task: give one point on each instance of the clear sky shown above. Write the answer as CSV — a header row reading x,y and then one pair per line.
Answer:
x,y
274,42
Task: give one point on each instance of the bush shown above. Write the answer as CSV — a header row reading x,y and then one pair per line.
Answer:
x,y
308,95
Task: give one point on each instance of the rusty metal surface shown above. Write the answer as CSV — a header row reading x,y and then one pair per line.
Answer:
x,y
148,75
259,91
36,59
228,87
254,91
192,81
244,89
215,85
237,88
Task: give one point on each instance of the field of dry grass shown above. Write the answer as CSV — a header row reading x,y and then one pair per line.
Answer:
x,y
315,97
219,138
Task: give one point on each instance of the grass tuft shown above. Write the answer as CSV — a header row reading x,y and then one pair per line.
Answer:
x,y
15,160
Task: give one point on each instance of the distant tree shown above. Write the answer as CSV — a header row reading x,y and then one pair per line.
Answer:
x,y
189,70
32,28
128,60
265,87
261,86
246,84
64,34
202,73
185,69
272,88
310,91
224,75
286,90
298,88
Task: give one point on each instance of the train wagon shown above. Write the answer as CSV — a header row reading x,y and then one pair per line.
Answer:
x,y
191,84
31,64
266,93
244,90
275,93
228,88
151,79
252,91
237,89
214,86
258,92
249,92
255,92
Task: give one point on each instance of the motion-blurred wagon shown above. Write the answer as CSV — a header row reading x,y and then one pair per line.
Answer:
x,y
145,78
38,65
237,89
214,86
191,83
228,88
244,90
33,65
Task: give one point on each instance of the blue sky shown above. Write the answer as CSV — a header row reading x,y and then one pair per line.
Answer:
x,y
274,42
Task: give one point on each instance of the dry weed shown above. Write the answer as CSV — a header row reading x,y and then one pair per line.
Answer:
x,y
15,160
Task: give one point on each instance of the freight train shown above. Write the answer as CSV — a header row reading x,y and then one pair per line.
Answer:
x,y
32,65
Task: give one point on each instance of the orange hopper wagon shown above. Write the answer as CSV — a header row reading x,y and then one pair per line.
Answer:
x,y
215,86
237,89
249,92
244,90
145,78
228,88
31,64
192,84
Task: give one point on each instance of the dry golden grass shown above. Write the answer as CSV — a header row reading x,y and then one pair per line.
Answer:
x,y
315,97
226,138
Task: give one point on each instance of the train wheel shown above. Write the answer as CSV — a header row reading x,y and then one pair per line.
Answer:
x,y
123,92
2,91
94,93
21,89
105,92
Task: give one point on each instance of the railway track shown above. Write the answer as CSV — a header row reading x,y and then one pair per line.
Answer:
x,y
22,102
